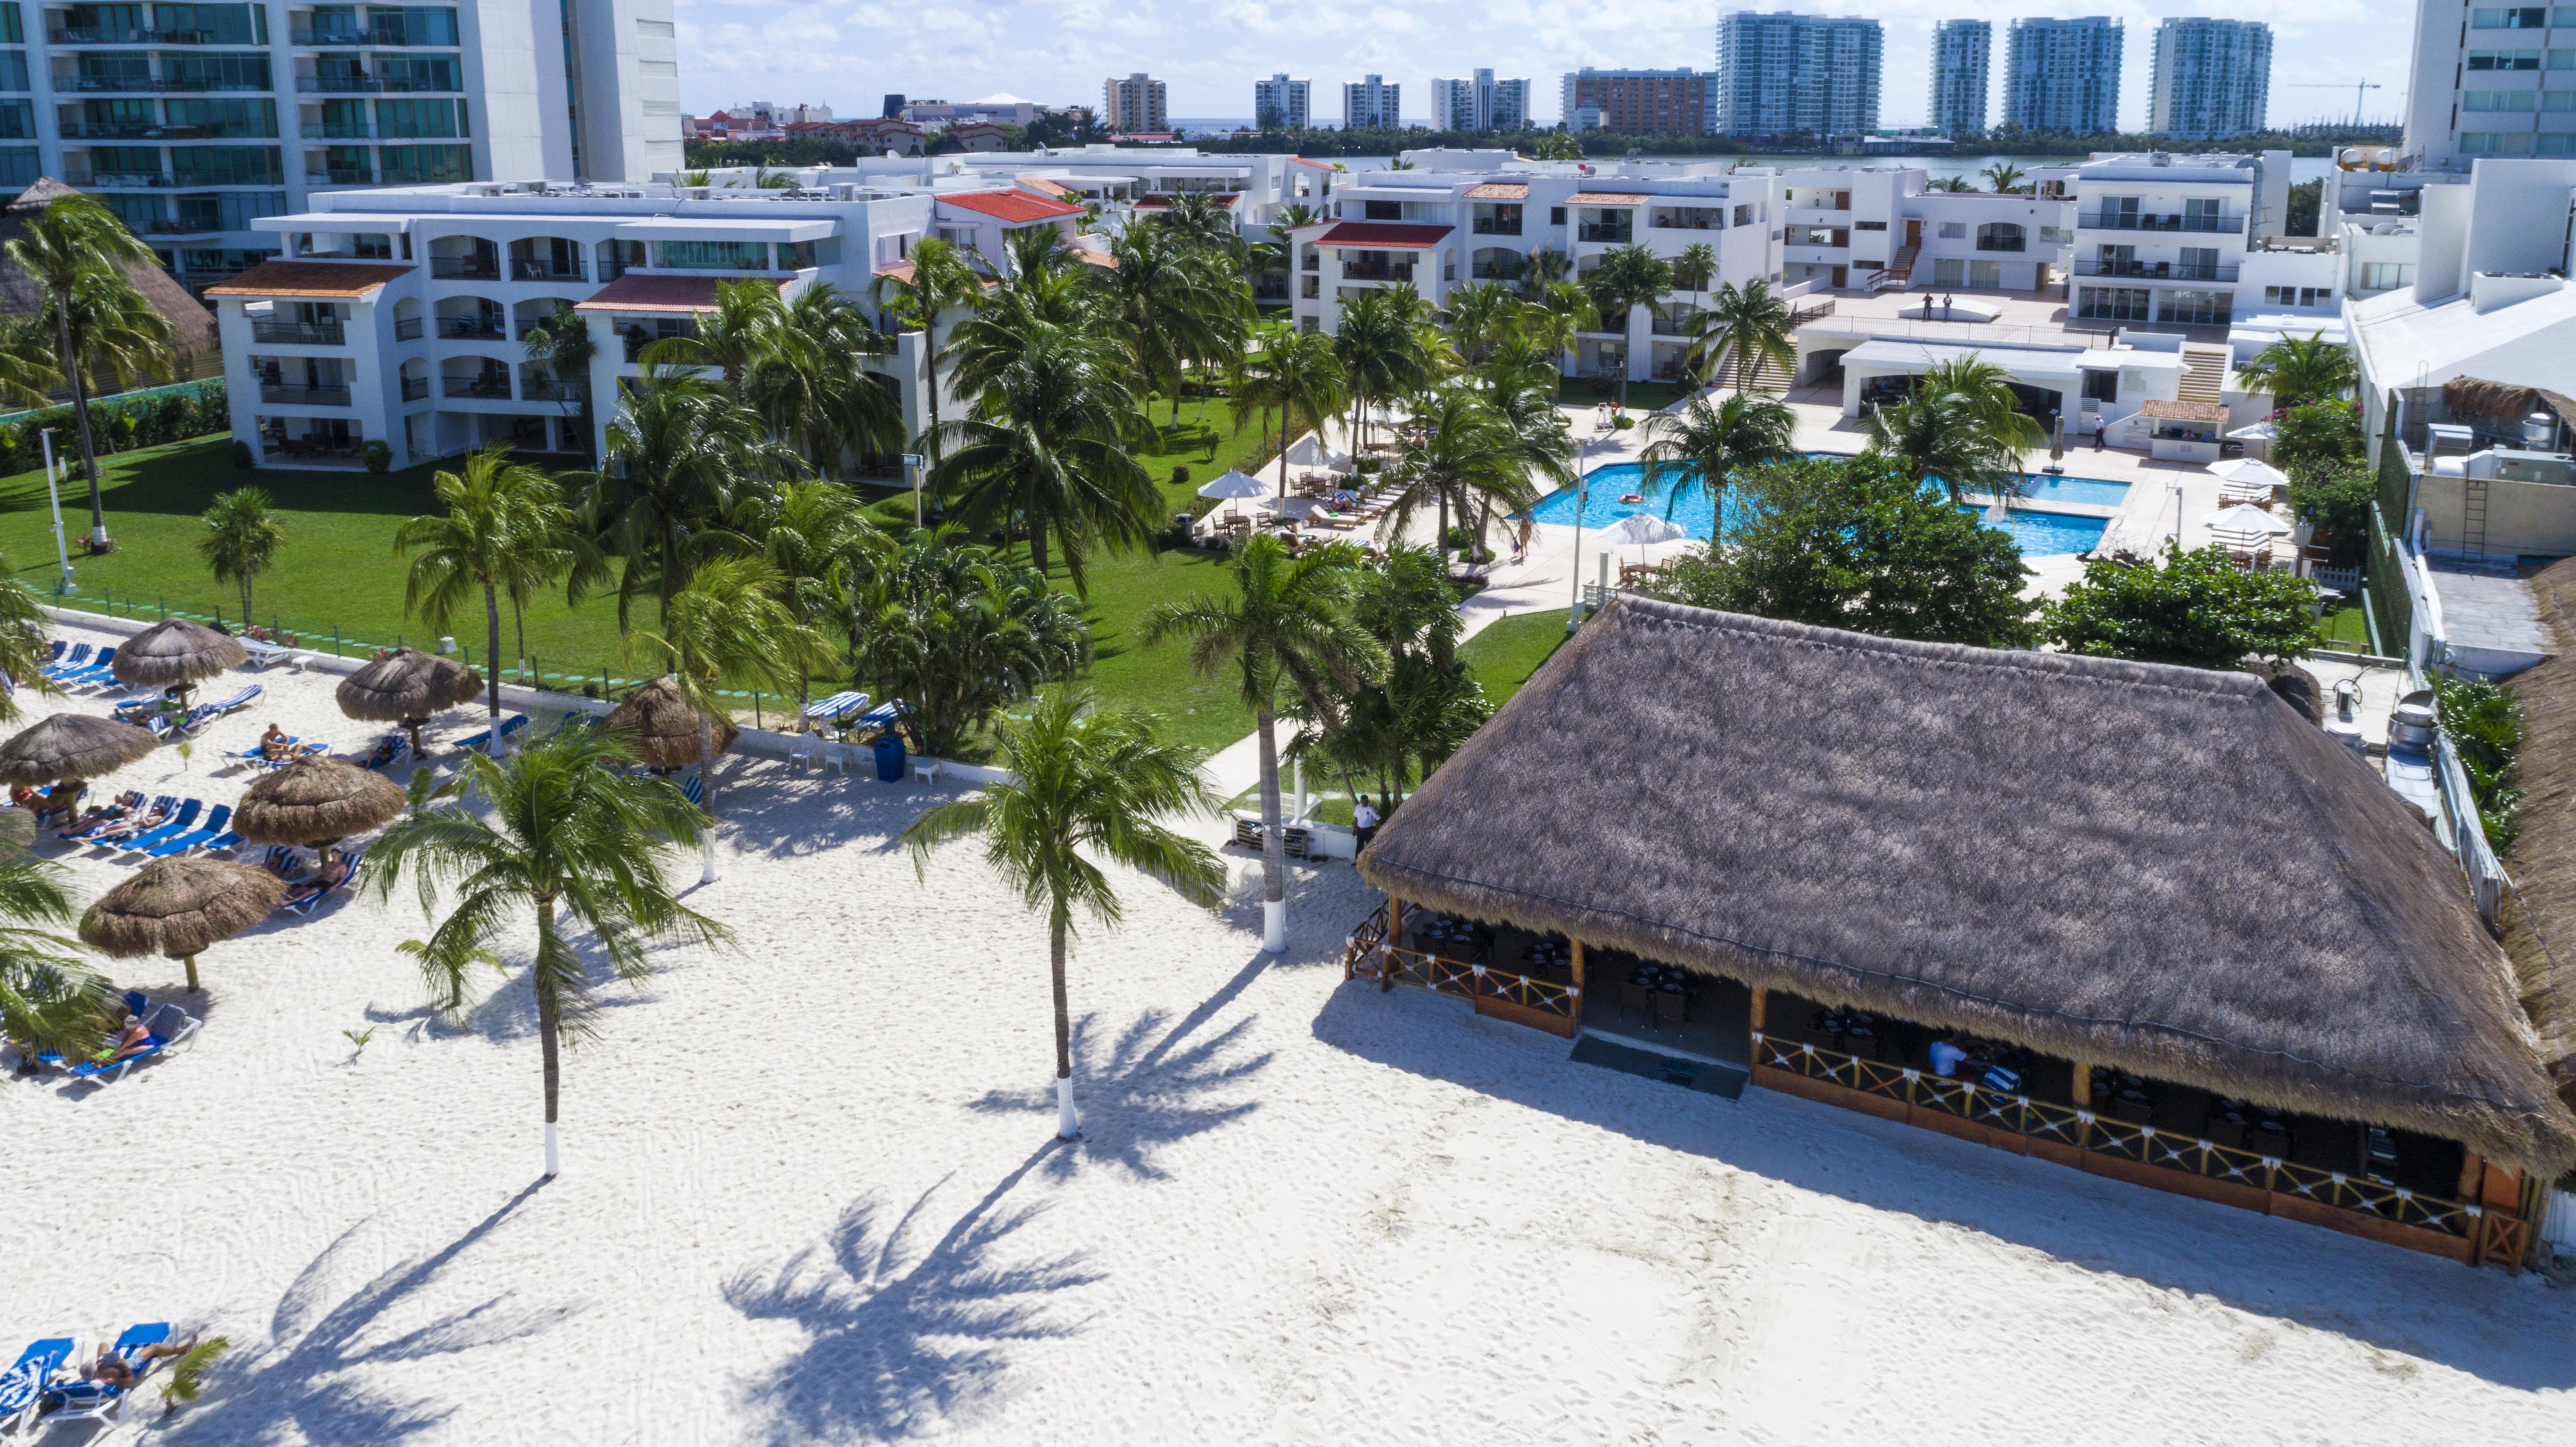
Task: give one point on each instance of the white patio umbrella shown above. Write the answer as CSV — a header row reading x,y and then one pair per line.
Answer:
x,y
2259,432
1640,529
2247,469
2244,527
1235,484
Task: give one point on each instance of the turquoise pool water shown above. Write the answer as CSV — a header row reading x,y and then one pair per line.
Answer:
x,y
2038,531
2042,488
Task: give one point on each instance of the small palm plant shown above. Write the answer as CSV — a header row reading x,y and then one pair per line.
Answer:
x,y
1081,785
474,545
561,831
186,1380
242,539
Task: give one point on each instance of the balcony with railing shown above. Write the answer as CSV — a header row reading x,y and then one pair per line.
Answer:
x,y
1687,218
311,396
543,269
184,226
117,180
407,329
487,386
1375,267
1617,233
302,334
465,268
472,329
340,176
136,131
414,388
1676,326
2133,270
2161,221
128,35
537,387
1498,225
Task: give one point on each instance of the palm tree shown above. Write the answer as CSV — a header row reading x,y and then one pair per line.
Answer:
x,y
1298,374
1546,268
732,622
1203,223
242,539
24,653
1295,216
1047,449
561,830
563,343
1481,315
1082,785
50,997
1960,428
27,371
814,391
1467,456
681,455
2004,177
1380,353
1627,278
749,327
1182,303
1557,145
940,282
469,546
1556,321
818,536
1694,267
1750,324
1949,183
1708,444
76,251
2300,369
1287,620
545,543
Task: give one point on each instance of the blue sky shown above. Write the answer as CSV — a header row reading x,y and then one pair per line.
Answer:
x,y
848,53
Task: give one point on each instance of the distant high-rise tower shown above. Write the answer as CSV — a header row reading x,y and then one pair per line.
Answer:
x,y
1371,104
1479,103
893,106
2210,80
1133,105
1961,56
2063,76
1282,102
1780,73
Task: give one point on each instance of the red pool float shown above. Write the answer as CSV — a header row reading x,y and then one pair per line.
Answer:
x,y
1632,497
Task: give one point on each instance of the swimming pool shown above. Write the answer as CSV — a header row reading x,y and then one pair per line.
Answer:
x,y
2040,533
2092,491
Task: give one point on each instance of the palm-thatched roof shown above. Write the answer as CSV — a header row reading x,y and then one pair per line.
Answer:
x,y
2540,922
2477,397
662,729
407,684
71,746
2158,868
312,801
193,326
180,907
175,650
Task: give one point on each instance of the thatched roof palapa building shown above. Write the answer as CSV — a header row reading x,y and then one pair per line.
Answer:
x,y
662,729
193,326
2540,915
2156,877
176,650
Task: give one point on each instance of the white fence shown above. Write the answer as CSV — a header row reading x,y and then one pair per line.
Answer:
x,y
2427,653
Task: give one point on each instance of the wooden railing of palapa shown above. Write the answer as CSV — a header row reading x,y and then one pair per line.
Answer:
x,y
1371,954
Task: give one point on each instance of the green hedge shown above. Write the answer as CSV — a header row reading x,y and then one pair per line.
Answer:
x,y
117,424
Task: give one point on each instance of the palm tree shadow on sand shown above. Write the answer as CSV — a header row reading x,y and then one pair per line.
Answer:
x,y
311,1383
902,1337
1148,1092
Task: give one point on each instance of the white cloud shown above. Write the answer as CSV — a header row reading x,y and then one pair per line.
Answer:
x,y
848,55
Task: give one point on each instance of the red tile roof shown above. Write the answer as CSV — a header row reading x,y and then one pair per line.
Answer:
x,y
1385,235
637,293
1011,205
336,280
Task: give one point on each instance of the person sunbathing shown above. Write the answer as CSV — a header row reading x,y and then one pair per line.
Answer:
x,y
275,746
115,1369
334,873
131,1039
101,820
144,822
388,749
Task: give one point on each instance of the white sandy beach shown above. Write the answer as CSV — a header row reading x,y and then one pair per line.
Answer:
x,y
812,1194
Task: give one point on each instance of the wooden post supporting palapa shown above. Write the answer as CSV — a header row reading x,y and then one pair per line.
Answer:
x,y
2081,1088
1394,937
1761,1007
2472,1189
1574,948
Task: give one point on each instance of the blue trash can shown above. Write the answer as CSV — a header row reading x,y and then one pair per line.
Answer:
x,y
889,747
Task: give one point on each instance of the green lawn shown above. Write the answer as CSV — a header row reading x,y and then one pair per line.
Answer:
x,y
1507,652
2345,628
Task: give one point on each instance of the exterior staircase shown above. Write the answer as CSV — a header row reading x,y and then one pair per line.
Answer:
x,y
1899,273
2204,373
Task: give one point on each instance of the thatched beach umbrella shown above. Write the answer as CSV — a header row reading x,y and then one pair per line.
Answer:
x,y
406,686
178,907
71,747
316,801
175,650
663,728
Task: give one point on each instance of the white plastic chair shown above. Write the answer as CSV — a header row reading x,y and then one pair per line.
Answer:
x,y
837,758
925,771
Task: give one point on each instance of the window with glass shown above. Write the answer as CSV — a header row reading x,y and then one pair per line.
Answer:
x,y
714,255
209,24
19,165
411,25
343,166
2101,384
2495,100
227,70
424,165
13,70
2002,236
2562,60
13,24
2504,60
1986,273
1954,230
125,165
2556,143
332,25
2199,308
225,119
2508,17
2386,275
420,118
17,120
1949,271
120,70
228,166
229,210
420,72
2495,143
795,256
142,215
2113,303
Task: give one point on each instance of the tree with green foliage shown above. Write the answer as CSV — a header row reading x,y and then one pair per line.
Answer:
x,y
2005,178
818,537
1481,315
1295,372
1287,621
814,391
563,343
1749,325
2317,440
1182,301
1557,145
1464,455
470,548
2297,370
51,998
1082,786
1694,267
2485,731
559,830
1706,443
957,630
242,539
938,282
1381,355
2197,609
2337,508
76,251
1627,278
682,454
2307,203
1857,543
1962,427
25,646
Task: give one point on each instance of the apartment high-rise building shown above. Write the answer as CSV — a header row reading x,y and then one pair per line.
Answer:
x,y
2063,76
1962,53
1479,103
2210,78
1780,74
2479,74
1637,102
1280,101
1371,104
191,121
1133,105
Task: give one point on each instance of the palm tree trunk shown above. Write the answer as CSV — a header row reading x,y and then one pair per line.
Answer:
x,y
707,794
492,658
549,1045
1068,1125
519,624
1274,840
80,411
1285,412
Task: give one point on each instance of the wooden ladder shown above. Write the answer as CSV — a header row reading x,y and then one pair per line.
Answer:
x,y
2473,517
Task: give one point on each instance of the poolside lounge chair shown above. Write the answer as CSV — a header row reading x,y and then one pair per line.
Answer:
x,y
206,713
25,1381
304,908
213,829
170,1027
482,742
388,752
264,654
88,1401
828,709
72,662
101,671
694,789
296,748
186,820
122,809
115,835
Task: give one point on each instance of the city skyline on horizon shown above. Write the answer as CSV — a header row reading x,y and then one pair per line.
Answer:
x,y
1058,54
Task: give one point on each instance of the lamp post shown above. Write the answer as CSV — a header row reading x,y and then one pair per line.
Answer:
x,y
62,552
1582,495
